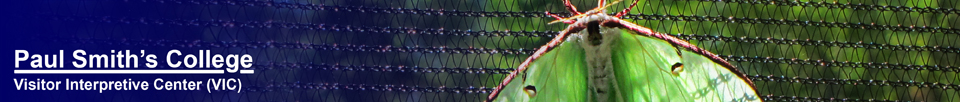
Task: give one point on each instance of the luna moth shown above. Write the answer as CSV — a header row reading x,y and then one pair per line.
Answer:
x,y
602,58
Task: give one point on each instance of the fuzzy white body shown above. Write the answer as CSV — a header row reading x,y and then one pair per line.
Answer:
x,y
598,57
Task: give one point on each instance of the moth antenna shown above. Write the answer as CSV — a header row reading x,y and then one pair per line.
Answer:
x,y
627,10
567,21
600,9
571,8
603,7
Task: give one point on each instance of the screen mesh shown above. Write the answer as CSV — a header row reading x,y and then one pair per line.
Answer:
x,y
458,50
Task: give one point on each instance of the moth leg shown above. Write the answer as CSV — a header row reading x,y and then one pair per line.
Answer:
x,y
571,8
601,3
627,10
526,63
571,21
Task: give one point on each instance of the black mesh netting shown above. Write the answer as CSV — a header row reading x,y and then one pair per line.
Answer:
x,y
458,50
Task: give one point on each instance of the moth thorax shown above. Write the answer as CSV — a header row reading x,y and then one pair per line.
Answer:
x,y
593,33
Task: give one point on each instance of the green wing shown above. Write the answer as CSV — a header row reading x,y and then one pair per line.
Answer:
x,y
644,73
560,75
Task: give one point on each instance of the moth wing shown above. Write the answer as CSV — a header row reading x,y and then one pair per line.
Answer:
x,y
645,69
642,67
709,81
559,75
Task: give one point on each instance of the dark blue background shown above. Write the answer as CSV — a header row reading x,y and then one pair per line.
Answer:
x,y
28,25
